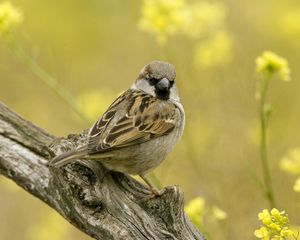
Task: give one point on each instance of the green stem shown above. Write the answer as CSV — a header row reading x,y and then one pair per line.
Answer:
x,y
263,144
50,81
254,177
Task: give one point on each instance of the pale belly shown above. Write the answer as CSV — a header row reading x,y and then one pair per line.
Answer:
x,y
141,158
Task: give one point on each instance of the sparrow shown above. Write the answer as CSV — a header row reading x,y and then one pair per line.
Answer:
x,y
139,129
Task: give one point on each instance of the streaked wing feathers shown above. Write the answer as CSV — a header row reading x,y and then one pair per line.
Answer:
x,y
144,118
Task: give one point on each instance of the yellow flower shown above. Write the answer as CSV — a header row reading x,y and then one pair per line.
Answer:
x,y
10,18
270,63
162,18
218,213
195,210
265,217
285,232
291,162
275,225
262,233
297,185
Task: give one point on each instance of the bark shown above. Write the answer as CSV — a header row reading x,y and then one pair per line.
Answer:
x,y
105,205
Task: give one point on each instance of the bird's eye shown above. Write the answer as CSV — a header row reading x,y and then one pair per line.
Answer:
x,y
153,81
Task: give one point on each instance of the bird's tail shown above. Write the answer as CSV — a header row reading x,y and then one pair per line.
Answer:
x,y
68,157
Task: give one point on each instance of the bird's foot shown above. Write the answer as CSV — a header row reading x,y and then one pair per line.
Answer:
x,y
154,191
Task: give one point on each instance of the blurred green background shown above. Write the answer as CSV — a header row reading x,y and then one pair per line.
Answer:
x,y
96,48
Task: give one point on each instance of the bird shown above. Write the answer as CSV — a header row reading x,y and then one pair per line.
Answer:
x,y
139,129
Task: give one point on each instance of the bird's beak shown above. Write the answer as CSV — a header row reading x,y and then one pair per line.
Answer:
x,y
163,84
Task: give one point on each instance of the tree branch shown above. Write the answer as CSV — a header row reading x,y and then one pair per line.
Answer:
x,y
105,205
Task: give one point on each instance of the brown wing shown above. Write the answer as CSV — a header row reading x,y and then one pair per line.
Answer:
x,y
101,125
142,119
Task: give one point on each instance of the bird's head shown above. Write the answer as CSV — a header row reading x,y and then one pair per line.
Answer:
x,y
158,79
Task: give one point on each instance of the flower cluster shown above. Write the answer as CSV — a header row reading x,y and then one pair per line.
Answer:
x,y
197,210
162,18
10,18
291,164
218,213
275,226
270,63
195,20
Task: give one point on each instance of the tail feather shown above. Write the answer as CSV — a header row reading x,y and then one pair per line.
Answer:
x,y
67,157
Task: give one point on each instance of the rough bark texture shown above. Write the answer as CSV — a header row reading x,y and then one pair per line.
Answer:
x,y
105,205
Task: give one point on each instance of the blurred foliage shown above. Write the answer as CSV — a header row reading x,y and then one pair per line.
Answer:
x,y
203,215
162,18
10,18
202,21
297,185
94,49
195,209
291,164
